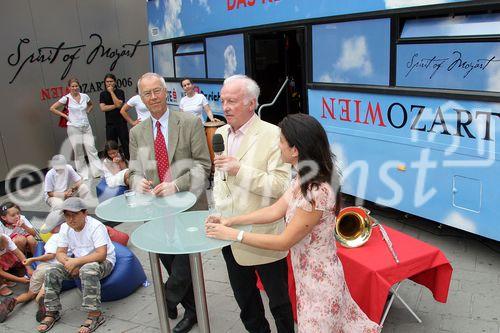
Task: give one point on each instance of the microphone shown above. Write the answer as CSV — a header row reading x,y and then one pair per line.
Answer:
x,y
218,148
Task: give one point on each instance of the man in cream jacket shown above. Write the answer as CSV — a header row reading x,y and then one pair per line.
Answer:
x,y
250,175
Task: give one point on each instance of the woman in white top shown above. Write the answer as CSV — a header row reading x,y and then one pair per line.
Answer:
x,y
79,130
140,108
194,102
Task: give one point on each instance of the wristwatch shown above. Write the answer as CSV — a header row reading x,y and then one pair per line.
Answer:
x,y
239,238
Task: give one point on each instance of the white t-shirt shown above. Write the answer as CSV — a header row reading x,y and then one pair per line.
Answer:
x,y
51,247
194,104
77,111
16,230
140,108
11,246
55,182
84,242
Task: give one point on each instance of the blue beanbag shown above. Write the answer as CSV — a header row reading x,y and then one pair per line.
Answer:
x,y
105,192
126,277
67,284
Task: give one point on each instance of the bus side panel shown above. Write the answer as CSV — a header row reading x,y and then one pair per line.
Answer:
x,y
419,155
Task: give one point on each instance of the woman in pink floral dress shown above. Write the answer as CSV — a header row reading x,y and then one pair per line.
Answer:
x,y
324,304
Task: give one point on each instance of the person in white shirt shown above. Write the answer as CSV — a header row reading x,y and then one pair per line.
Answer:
x,y
141,110
62,182
79,130
36,288
194,102
94,259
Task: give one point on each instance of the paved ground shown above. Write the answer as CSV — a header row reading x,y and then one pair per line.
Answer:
x,y
473,303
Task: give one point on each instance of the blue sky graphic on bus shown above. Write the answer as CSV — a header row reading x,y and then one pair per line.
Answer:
x,y
427,156
225,56
175,18
468,66
352,52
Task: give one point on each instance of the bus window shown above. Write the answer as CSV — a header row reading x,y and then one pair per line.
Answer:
x,y
190,60
225,56
441,59
464,25
351,52
163,59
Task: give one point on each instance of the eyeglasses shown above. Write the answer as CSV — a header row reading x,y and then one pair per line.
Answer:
x,y
148,94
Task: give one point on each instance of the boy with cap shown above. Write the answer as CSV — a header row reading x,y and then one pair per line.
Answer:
x,y
94,259
36,288
62,182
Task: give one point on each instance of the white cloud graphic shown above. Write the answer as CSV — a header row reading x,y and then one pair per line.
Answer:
x,y
172,25
390,4
326,77
355,56
204,4
458,221
230,62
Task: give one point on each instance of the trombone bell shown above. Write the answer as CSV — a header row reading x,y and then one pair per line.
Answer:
x,y
353,227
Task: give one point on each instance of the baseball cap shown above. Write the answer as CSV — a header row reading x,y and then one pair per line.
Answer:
x,y
58,162
52,220
73,204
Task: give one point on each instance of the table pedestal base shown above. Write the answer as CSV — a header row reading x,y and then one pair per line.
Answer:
x,y
159,292
200,297
391,300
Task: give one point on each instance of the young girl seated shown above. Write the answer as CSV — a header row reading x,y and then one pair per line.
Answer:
x,y
115,165
17,227
11,260
36,287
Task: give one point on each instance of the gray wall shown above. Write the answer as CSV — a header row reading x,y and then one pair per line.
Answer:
x,y
28,131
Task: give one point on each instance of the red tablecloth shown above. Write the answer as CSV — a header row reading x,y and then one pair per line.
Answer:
x,y
370,270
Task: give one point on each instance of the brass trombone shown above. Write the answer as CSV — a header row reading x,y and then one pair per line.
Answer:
x,y
354,228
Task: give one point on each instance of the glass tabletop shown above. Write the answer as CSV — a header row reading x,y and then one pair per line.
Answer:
x,y
144,207
183,233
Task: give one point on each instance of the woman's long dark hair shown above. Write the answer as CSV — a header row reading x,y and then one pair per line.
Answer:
x,y
113,145
307,135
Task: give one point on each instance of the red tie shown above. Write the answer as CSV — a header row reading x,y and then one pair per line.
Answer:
x,y
161,154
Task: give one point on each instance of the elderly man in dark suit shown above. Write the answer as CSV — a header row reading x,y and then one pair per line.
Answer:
x,y
169,153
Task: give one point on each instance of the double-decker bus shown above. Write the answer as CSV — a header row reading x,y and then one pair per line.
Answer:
x,y
408,91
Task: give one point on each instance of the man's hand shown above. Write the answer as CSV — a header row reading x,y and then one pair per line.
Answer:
x,y
164,189
144,186
72,266
110,88
227,164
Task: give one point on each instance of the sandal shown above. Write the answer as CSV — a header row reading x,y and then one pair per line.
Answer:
x,y
5,291
6,307
42,310
92,323
49,323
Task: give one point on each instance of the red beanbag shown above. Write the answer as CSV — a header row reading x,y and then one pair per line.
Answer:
x,y
117,236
